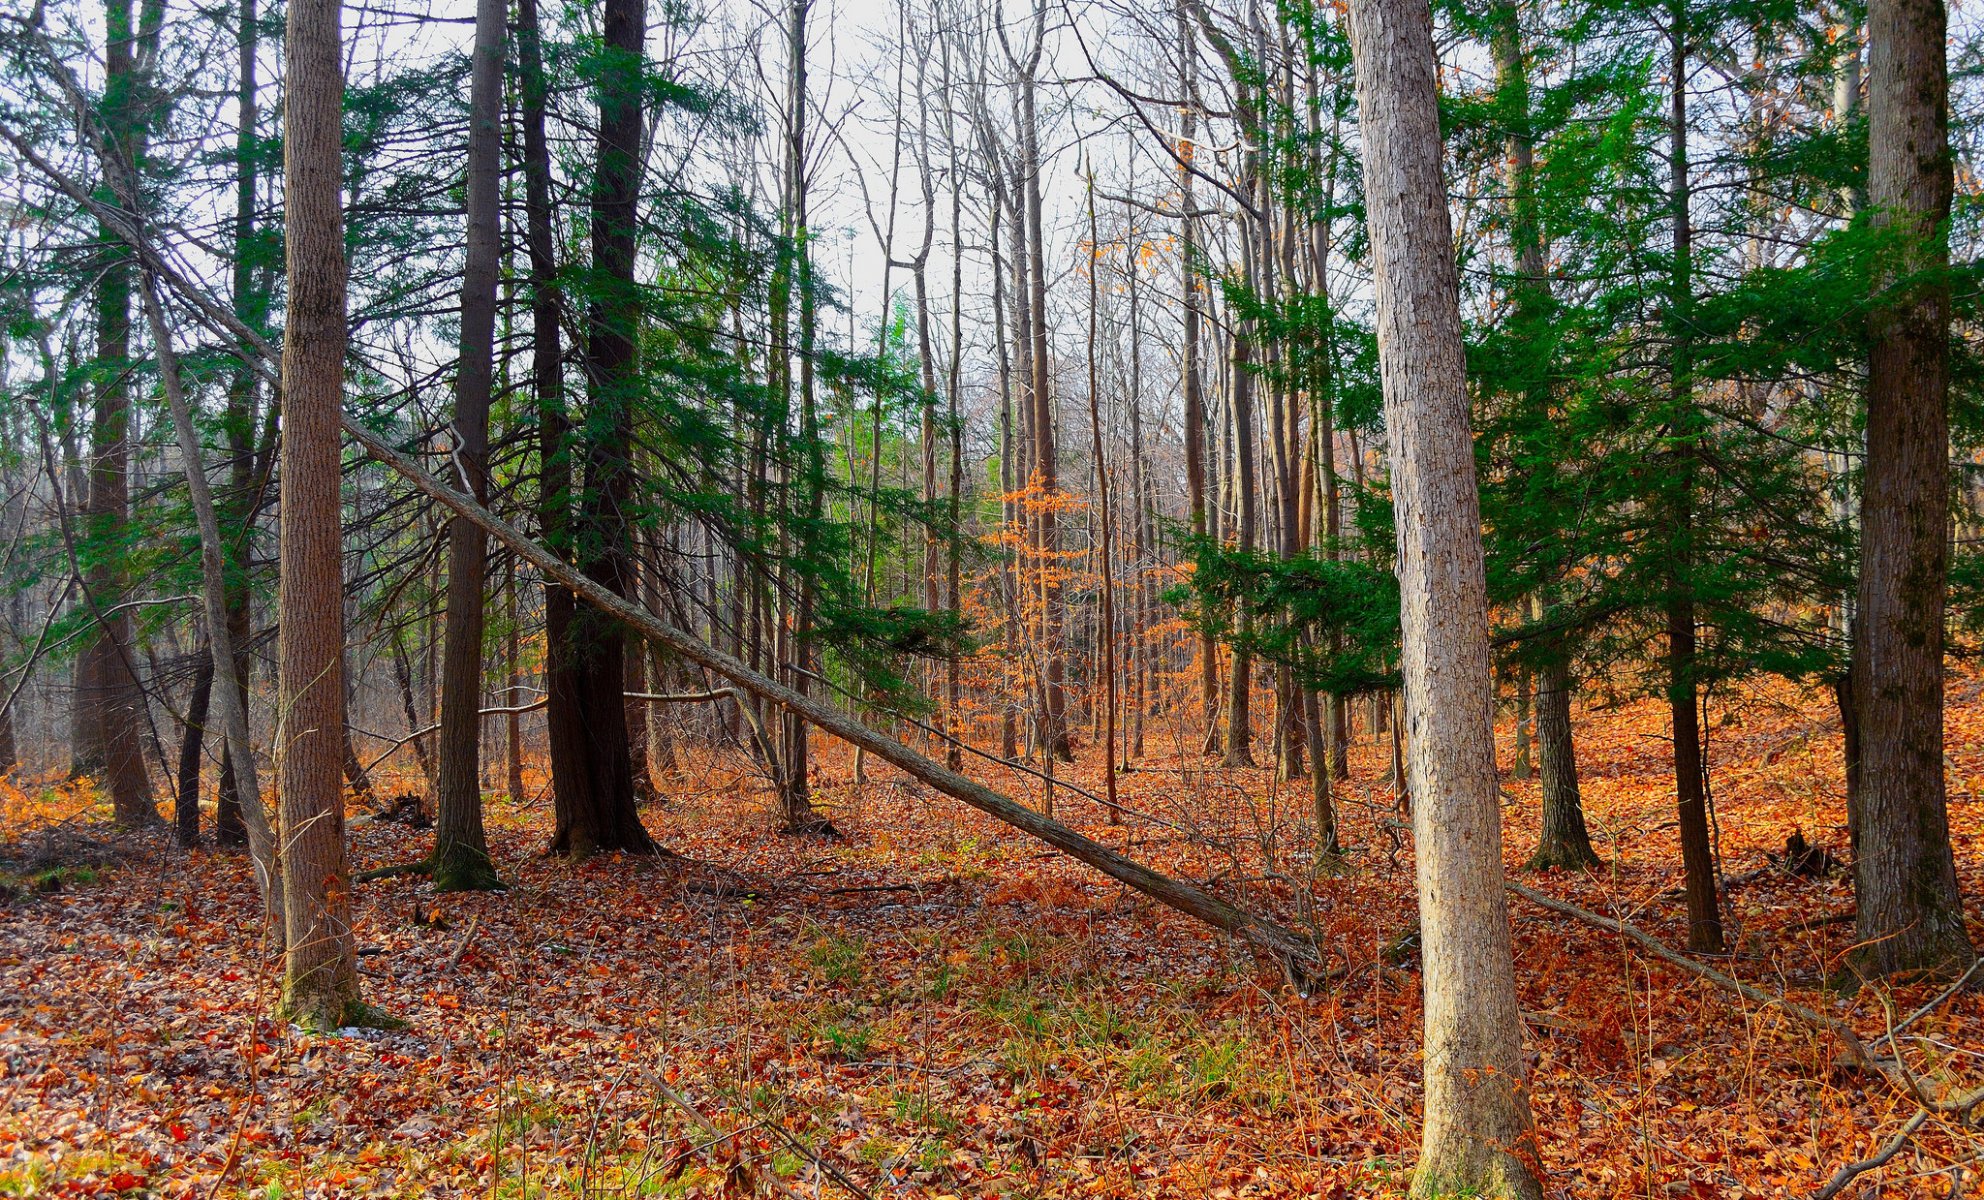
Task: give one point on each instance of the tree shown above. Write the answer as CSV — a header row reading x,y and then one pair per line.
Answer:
x,y
1478,1138
1910,915
461,852
1563,841
320,966
592,770
110,700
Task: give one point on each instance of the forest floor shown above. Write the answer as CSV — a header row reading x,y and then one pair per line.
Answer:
x,y
933,1005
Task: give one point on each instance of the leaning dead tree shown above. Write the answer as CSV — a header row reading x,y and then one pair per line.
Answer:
x,y
1297,955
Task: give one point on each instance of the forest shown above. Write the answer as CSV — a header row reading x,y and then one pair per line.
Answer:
x,y
1021,598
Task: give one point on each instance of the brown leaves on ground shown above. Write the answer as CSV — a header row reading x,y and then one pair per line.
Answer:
x,y
936,1006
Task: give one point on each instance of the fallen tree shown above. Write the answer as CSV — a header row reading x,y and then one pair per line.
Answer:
x,y
1297,956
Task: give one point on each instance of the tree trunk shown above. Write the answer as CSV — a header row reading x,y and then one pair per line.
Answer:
x,y
1478,1138
795,798
1192,375
1106,634
1683,688
1910,909
593,775
513,741
460,860
237,509
320,968
1054,716
114,710
186,800
242,786
1564,841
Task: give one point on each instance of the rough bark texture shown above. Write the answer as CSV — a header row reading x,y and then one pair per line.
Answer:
x,y
320,968
595,790
461,851
186,800
1564,841
1910,911
111,716
1478,1138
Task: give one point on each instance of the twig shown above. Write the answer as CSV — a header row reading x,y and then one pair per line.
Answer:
x,y
1930,1007
1853,1170
468,935
1893,1070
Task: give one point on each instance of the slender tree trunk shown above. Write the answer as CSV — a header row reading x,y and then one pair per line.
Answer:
x,y
1193,376
1478,1138
461,850
237,510
513,742
1683,687
1910,908
571,769
320,969
114,710
1053,649
1520,768
797,814
241,776
1106,634
192,743
1009,508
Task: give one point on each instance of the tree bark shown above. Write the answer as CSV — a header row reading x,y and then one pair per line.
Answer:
x,y
1683,687
320,969
1192,374
192,743
594,798
460,861
112,701
1478,1137
241,775
1564,841
1910,909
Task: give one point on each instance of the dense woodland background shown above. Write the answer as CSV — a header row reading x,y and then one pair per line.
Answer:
x,y
1004,402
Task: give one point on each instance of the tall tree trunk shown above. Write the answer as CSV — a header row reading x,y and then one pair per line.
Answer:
x,y
1107,632
113,706
571,771
795,799
320,968
237,510
1192,382
1683,687
461,850
225,653
1564,841
1053,649
1478,1138
1009,508
591,770
1910,909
